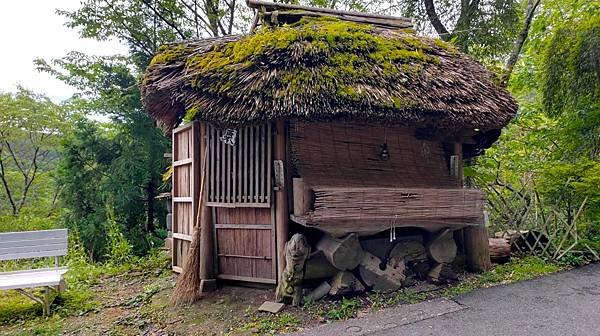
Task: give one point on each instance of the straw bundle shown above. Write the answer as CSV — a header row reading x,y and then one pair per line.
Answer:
x,y
356,204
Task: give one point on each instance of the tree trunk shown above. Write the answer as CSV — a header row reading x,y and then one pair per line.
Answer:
x,y
150,193
435,20
516,51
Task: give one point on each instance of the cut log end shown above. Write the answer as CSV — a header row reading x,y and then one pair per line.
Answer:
x,y
344,254
382,279
442,248
499,250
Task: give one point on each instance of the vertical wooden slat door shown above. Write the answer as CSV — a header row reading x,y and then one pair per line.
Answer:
x,y
239,177
186,179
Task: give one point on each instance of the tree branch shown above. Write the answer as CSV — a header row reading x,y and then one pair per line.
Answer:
x,y
435,20
5,184
520,41
164,19
14,157
29,179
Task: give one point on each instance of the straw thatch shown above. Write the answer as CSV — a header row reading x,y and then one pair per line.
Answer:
x,y
324,69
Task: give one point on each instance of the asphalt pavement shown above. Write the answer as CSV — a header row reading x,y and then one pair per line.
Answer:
x,y
561,304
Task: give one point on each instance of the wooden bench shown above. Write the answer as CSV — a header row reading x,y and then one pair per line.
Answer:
x,y
34,244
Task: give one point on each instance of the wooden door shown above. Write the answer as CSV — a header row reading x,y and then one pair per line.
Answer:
x,y
245,244
240,191
185,190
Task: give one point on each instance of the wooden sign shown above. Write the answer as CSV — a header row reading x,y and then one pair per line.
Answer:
x,y
279,173
229,137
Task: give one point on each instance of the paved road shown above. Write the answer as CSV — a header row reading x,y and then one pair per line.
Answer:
x,y
561,304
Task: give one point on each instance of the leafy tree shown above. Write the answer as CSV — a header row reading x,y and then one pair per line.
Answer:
x,y
30,130
552,145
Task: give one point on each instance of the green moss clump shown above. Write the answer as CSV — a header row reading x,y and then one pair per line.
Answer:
x,y
315,55
191,113
169,53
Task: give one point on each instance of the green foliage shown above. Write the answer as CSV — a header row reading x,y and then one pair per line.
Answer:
x,y
406,295
485,29
344,309
119,249
553,146
104,166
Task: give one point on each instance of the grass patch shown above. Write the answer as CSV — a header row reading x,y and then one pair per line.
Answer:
x,y
271,324
344,309
406,295
517,270
39,327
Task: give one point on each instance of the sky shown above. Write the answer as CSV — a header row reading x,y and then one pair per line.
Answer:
x,y
30,29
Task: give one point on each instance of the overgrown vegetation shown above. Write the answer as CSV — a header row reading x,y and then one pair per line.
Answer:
x,y
549,154
59,168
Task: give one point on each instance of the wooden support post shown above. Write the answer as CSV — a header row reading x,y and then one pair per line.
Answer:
x,y
477,247
206,226
457,152
281,198
302,197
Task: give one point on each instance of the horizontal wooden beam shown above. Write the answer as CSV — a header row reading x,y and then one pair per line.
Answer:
x,y
244,226
239,205
182,199
244,278
183,162
182,236
244,256
272,6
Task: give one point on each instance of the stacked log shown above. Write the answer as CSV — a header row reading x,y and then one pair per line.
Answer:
x,y
499,250
349,265
382,278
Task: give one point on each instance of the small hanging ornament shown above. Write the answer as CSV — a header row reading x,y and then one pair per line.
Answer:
x,y
393,229
384,153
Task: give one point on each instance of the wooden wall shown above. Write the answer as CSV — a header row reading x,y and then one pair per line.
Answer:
x,y
186,179
348,154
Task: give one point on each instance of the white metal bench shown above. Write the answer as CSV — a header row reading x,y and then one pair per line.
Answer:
x,y
34,244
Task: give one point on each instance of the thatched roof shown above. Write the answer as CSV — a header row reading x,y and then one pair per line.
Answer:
x,y
324,69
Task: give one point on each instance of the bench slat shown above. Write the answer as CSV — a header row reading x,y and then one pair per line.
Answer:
x,y
33,235
32,248
31,278
39,254
33,244
22,243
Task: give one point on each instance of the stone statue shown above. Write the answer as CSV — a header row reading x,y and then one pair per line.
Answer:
x,y
290,281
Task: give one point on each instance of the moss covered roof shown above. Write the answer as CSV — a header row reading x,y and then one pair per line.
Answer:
x,y
324,69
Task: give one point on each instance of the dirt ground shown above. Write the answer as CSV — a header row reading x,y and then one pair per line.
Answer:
x,y
138,304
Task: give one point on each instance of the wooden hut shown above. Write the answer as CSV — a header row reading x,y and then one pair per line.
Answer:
x,y
343,126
